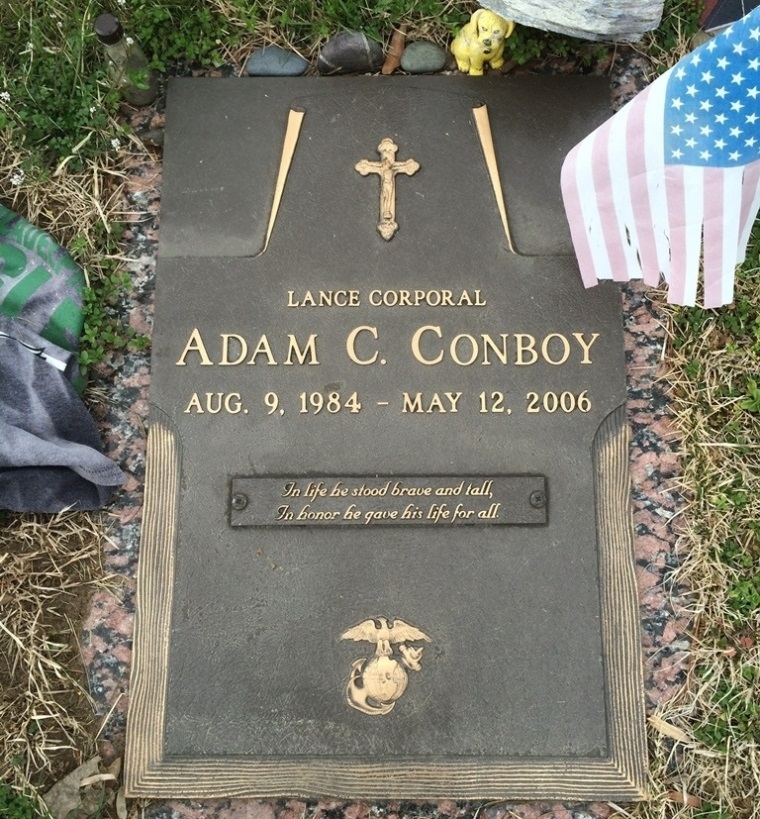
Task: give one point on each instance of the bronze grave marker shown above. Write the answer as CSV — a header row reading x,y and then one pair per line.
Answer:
x,y
386,549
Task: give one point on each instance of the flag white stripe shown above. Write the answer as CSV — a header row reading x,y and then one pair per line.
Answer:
x,y
750,207
733,182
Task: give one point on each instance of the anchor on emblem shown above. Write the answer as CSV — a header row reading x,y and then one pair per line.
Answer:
x,y
375,683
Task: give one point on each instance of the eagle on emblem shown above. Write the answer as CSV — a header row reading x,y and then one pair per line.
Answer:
x,y
375,684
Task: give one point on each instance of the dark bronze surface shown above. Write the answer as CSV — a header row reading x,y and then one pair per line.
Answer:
x,y
510,380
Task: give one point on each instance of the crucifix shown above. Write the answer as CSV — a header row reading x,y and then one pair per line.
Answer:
x,y
386,169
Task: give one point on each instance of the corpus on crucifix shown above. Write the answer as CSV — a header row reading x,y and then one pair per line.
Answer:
x,y
387,168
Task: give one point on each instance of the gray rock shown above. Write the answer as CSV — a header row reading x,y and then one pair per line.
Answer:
x,y
423,57
152,136
590,19
350,52
273,61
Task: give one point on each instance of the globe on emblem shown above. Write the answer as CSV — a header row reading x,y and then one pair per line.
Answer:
x,y
384,680
375,684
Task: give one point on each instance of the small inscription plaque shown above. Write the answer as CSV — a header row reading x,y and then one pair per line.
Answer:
x,y
400,501
386,542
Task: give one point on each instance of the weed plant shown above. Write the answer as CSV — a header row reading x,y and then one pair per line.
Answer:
x,y
672,39
15,805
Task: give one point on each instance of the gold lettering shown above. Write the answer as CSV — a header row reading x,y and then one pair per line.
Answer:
x,y
455,352
195,404
545,348
500,353
453,400
412,404
215,403
428,298
416,344
435,405
290,299
225,362
522,348
291,490
232,403
210,403
586,347
284,513
309,349
195,344
351,342
263,348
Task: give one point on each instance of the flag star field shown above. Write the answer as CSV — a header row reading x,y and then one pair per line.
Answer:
x,y
669,187
713,97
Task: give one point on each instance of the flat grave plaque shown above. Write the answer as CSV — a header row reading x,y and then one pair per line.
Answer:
x,y
386,546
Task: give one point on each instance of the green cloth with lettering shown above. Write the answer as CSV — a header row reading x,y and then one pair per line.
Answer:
x,y
50,453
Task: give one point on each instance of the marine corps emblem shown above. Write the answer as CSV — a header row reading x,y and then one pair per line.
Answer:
x,y
375,684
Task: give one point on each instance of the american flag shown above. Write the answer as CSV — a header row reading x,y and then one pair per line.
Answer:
x,y
674,175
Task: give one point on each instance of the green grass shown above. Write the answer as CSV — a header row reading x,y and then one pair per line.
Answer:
x,y
58,102
14,805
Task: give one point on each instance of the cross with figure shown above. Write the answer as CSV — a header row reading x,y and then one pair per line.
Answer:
x,y
387,168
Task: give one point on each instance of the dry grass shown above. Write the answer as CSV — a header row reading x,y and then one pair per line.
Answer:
x,y
705,743
49,565
77,209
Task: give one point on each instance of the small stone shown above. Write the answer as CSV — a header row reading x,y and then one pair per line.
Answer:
x,y
273,61
350,52
423,57
154,137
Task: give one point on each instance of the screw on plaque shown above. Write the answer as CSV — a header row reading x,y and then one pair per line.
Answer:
x,y
239,501
537,499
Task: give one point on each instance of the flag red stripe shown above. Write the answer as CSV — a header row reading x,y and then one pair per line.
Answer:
x,y
714,235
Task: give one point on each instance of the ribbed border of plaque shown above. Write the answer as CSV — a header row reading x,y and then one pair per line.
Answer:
x,y
619,777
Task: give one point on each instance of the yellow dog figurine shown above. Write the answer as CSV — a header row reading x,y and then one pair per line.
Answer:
x,y
481,41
